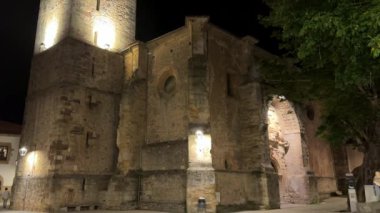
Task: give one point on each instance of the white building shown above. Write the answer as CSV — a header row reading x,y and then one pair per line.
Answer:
x,y
9,145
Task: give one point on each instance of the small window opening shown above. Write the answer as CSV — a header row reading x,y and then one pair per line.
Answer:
x,y
90,101
226,166
84,184
87,140
93,67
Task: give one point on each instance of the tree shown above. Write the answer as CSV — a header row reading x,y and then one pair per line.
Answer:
x,y
335,50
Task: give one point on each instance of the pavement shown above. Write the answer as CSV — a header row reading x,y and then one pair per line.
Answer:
x,y
331,205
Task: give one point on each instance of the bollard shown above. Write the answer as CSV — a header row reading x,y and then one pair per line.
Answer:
x,y
201,205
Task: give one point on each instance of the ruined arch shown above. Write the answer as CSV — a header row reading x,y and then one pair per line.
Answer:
x,y
287,150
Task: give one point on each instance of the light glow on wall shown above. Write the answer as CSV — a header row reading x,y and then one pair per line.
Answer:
x,y
51,32
31,160
104,31
203,146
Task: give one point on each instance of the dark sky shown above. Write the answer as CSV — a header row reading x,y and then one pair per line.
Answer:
x,y
154,18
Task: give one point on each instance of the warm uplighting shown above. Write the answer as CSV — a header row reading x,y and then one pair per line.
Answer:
x,y
203,145
31,159
104,32
200,149
50,33
23,150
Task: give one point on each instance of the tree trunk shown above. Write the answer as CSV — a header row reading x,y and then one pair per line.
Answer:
x,y
366,172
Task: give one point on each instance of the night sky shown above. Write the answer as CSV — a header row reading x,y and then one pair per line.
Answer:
x,y
154,18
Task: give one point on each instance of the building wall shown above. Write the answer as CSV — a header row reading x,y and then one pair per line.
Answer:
x,y
118,131
163,177
224,55
319,151
71,114
53,23
238,149
133,105
167,111
8,168
113,21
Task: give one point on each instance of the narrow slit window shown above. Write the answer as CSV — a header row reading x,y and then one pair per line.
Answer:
x,y
97,5
90,101
84,184
93,67
87,140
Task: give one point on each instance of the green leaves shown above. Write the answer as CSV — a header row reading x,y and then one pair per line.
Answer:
x,y
374,44
337,47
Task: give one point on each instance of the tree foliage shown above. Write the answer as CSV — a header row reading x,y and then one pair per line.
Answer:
x,y
335,50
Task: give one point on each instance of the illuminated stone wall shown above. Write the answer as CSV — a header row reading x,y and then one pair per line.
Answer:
x,y
108,24
157,126
187,91
200,174
72,112
168,87
153,126
289,153
70,127
53,23
240,154
320,154
132,116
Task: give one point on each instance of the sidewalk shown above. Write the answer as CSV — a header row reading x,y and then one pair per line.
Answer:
x,y
331,205
98,211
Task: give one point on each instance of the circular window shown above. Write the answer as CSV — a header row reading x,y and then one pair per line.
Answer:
x,y
169,85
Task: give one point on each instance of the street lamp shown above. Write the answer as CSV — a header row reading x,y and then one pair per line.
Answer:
x,y
23,150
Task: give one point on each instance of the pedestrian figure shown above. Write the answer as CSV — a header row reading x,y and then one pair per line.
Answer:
x,y
5,195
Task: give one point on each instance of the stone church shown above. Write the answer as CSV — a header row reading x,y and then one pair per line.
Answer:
x,y
175,124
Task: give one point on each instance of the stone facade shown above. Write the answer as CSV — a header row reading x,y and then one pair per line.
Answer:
x,y
177,124
108,24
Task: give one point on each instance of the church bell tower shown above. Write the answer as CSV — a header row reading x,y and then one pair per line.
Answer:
x,y
71,113
108,24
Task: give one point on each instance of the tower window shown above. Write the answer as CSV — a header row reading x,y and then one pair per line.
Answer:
x,y
97,5
95,37
87,140
93,67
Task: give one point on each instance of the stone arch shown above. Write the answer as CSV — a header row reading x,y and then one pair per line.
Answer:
x,y
287,149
